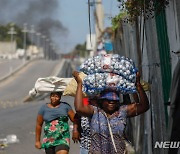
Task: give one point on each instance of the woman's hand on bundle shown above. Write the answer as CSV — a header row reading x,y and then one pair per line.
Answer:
x,y
142,103
38,144
77,77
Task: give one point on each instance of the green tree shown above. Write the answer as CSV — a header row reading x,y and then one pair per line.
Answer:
x,y
80,50
18,37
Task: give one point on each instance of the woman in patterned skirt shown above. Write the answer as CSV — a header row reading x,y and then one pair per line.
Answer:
x,y
55,114
108,121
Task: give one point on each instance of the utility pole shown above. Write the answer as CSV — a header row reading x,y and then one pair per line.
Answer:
x,y
32,31
53,51
99,18
38,39
99,21
38,42
44,46
47,48
25,30
12,32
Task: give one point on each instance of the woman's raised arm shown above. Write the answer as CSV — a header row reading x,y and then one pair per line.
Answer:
x,y
84,110
142,106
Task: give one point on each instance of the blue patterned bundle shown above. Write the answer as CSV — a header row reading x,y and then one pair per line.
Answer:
x,y
109,71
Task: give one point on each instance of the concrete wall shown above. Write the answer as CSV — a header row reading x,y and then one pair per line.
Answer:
x,y
8,47
173,25
126,44
149,127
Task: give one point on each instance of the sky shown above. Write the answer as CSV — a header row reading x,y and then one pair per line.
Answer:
x,y
63,22
74,16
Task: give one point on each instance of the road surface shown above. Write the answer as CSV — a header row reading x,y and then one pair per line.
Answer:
x,y
19,118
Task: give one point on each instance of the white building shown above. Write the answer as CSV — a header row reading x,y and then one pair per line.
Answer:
x,y
7,49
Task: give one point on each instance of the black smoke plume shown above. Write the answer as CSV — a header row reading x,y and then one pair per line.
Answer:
x,y
40,13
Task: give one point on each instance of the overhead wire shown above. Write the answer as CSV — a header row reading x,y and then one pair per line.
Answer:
x,y
144,25
89,17
110,9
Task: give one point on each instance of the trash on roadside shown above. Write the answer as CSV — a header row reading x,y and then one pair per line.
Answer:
x,y
12,138
3,143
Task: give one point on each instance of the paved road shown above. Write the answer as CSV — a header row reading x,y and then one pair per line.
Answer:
x,y
19,118
17,87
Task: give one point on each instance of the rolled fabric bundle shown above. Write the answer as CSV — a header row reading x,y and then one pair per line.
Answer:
x,y
49,84
33,92
71,87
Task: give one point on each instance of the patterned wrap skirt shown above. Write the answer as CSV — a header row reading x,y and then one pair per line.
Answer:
x,y
56,132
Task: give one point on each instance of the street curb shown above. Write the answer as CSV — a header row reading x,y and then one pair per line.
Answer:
x,y
58,68
17,69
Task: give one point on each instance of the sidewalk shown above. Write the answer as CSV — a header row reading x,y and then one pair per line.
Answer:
x,y
9,67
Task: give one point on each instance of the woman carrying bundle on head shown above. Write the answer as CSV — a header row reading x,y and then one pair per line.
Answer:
x,y
108,119
55,114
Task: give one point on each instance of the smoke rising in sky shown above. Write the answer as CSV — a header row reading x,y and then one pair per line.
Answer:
x,y
40,13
